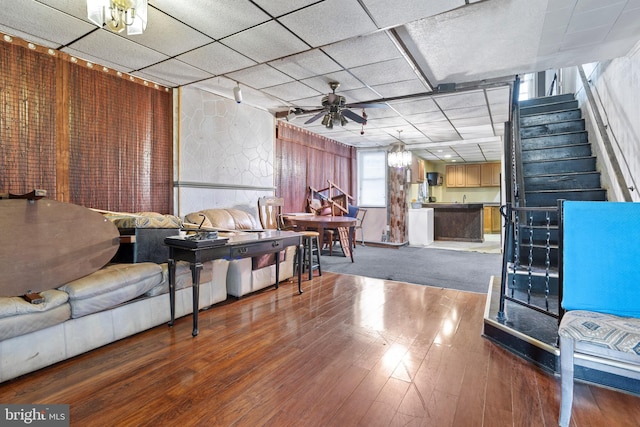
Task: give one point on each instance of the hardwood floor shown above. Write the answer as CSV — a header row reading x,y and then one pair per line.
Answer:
x,y
349,351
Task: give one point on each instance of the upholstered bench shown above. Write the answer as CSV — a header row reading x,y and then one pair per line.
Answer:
x,y
601,339
600,330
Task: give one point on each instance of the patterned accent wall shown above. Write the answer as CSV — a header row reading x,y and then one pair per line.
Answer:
x,y
225,154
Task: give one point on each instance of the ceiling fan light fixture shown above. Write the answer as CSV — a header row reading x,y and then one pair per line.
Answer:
x,y
343,120
118,15
326,119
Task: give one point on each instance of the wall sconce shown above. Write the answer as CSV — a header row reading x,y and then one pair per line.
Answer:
x,y
237,94
116,15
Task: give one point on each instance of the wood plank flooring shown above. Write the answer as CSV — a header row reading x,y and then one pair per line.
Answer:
x,y
349,351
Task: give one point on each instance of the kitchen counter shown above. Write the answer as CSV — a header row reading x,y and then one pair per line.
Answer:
x,y
453,205
457,221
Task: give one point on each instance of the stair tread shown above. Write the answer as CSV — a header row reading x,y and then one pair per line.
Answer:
x,y
548,135
552,122
566,190
564,159
554,147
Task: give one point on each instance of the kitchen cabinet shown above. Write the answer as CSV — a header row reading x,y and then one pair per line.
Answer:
x,y
455,176
417,170
492,221
473,175
490,174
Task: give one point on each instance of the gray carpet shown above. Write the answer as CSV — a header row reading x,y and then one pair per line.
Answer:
x,y
452,269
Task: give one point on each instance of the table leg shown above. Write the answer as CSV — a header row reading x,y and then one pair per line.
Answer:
x,y
320,238
195,279
172,289
299,255
277,255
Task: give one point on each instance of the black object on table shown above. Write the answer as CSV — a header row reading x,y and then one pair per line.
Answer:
x,y
197,252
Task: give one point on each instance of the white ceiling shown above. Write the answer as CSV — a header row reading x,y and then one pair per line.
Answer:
x,y
284,53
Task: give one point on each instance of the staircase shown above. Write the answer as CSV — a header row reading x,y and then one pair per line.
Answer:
x,y
556,163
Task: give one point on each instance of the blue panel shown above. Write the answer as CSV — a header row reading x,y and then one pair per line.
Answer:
x,y
601,257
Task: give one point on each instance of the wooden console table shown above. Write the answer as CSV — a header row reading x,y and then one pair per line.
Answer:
x,y
240,246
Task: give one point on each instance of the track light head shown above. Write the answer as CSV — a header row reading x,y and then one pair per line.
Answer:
x,y
237,94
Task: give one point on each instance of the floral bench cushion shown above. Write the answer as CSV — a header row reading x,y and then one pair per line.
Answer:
x,y
606,334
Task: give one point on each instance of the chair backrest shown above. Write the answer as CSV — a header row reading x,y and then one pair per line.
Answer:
x,y
360,213
270,212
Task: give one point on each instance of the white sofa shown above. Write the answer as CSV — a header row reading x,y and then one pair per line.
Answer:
x,y
83,315
112,303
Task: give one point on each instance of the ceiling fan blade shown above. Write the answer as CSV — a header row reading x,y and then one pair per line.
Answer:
x,y
365,105
314,118
353,116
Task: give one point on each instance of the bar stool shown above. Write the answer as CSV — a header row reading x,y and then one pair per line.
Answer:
x,y
310,244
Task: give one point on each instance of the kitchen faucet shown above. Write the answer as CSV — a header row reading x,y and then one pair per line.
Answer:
x,y
464,198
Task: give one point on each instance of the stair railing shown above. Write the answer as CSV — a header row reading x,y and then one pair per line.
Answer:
x,y
520,219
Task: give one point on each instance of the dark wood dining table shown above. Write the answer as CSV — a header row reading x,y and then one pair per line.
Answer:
x,y
342,224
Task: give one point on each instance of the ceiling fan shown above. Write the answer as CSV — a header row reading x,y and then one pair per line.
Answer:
x,y
336,110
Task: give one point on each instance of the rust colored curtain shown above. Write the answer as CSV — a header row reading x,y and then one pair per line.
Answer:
x,y
86,136
124,146
306,159
27,121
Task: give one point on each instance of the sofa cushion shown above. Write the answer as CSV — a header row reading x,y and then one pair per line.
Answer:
x,y
145,220
228,219
111,286
19,317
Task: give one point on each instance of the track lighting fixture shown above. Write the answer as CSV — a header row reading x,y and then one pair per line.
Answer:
x,y
237,93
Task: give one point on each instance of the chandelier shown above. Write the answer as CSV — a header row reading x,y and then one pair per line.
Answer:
x,y
398,156
117,15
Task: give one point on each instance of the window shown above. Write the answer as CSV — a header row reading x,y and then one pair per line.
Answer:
x,y
372,178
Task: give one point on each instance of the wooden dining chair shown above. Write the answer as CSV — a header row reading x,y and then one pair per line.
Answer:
x,y
270,212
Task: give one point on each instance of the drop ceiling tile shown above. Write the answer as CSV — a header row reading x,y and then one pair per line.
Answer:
x,y
168,35
410,10
260,76
116,50
403,88
329,21
216,58
346,80
415,106
363,95
384,72
380,113
294,91
427,128
388,122
363,50
216,19
469,112
177,72
265,42
280,7
461,100
42,24
306,64
422,118
472,121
